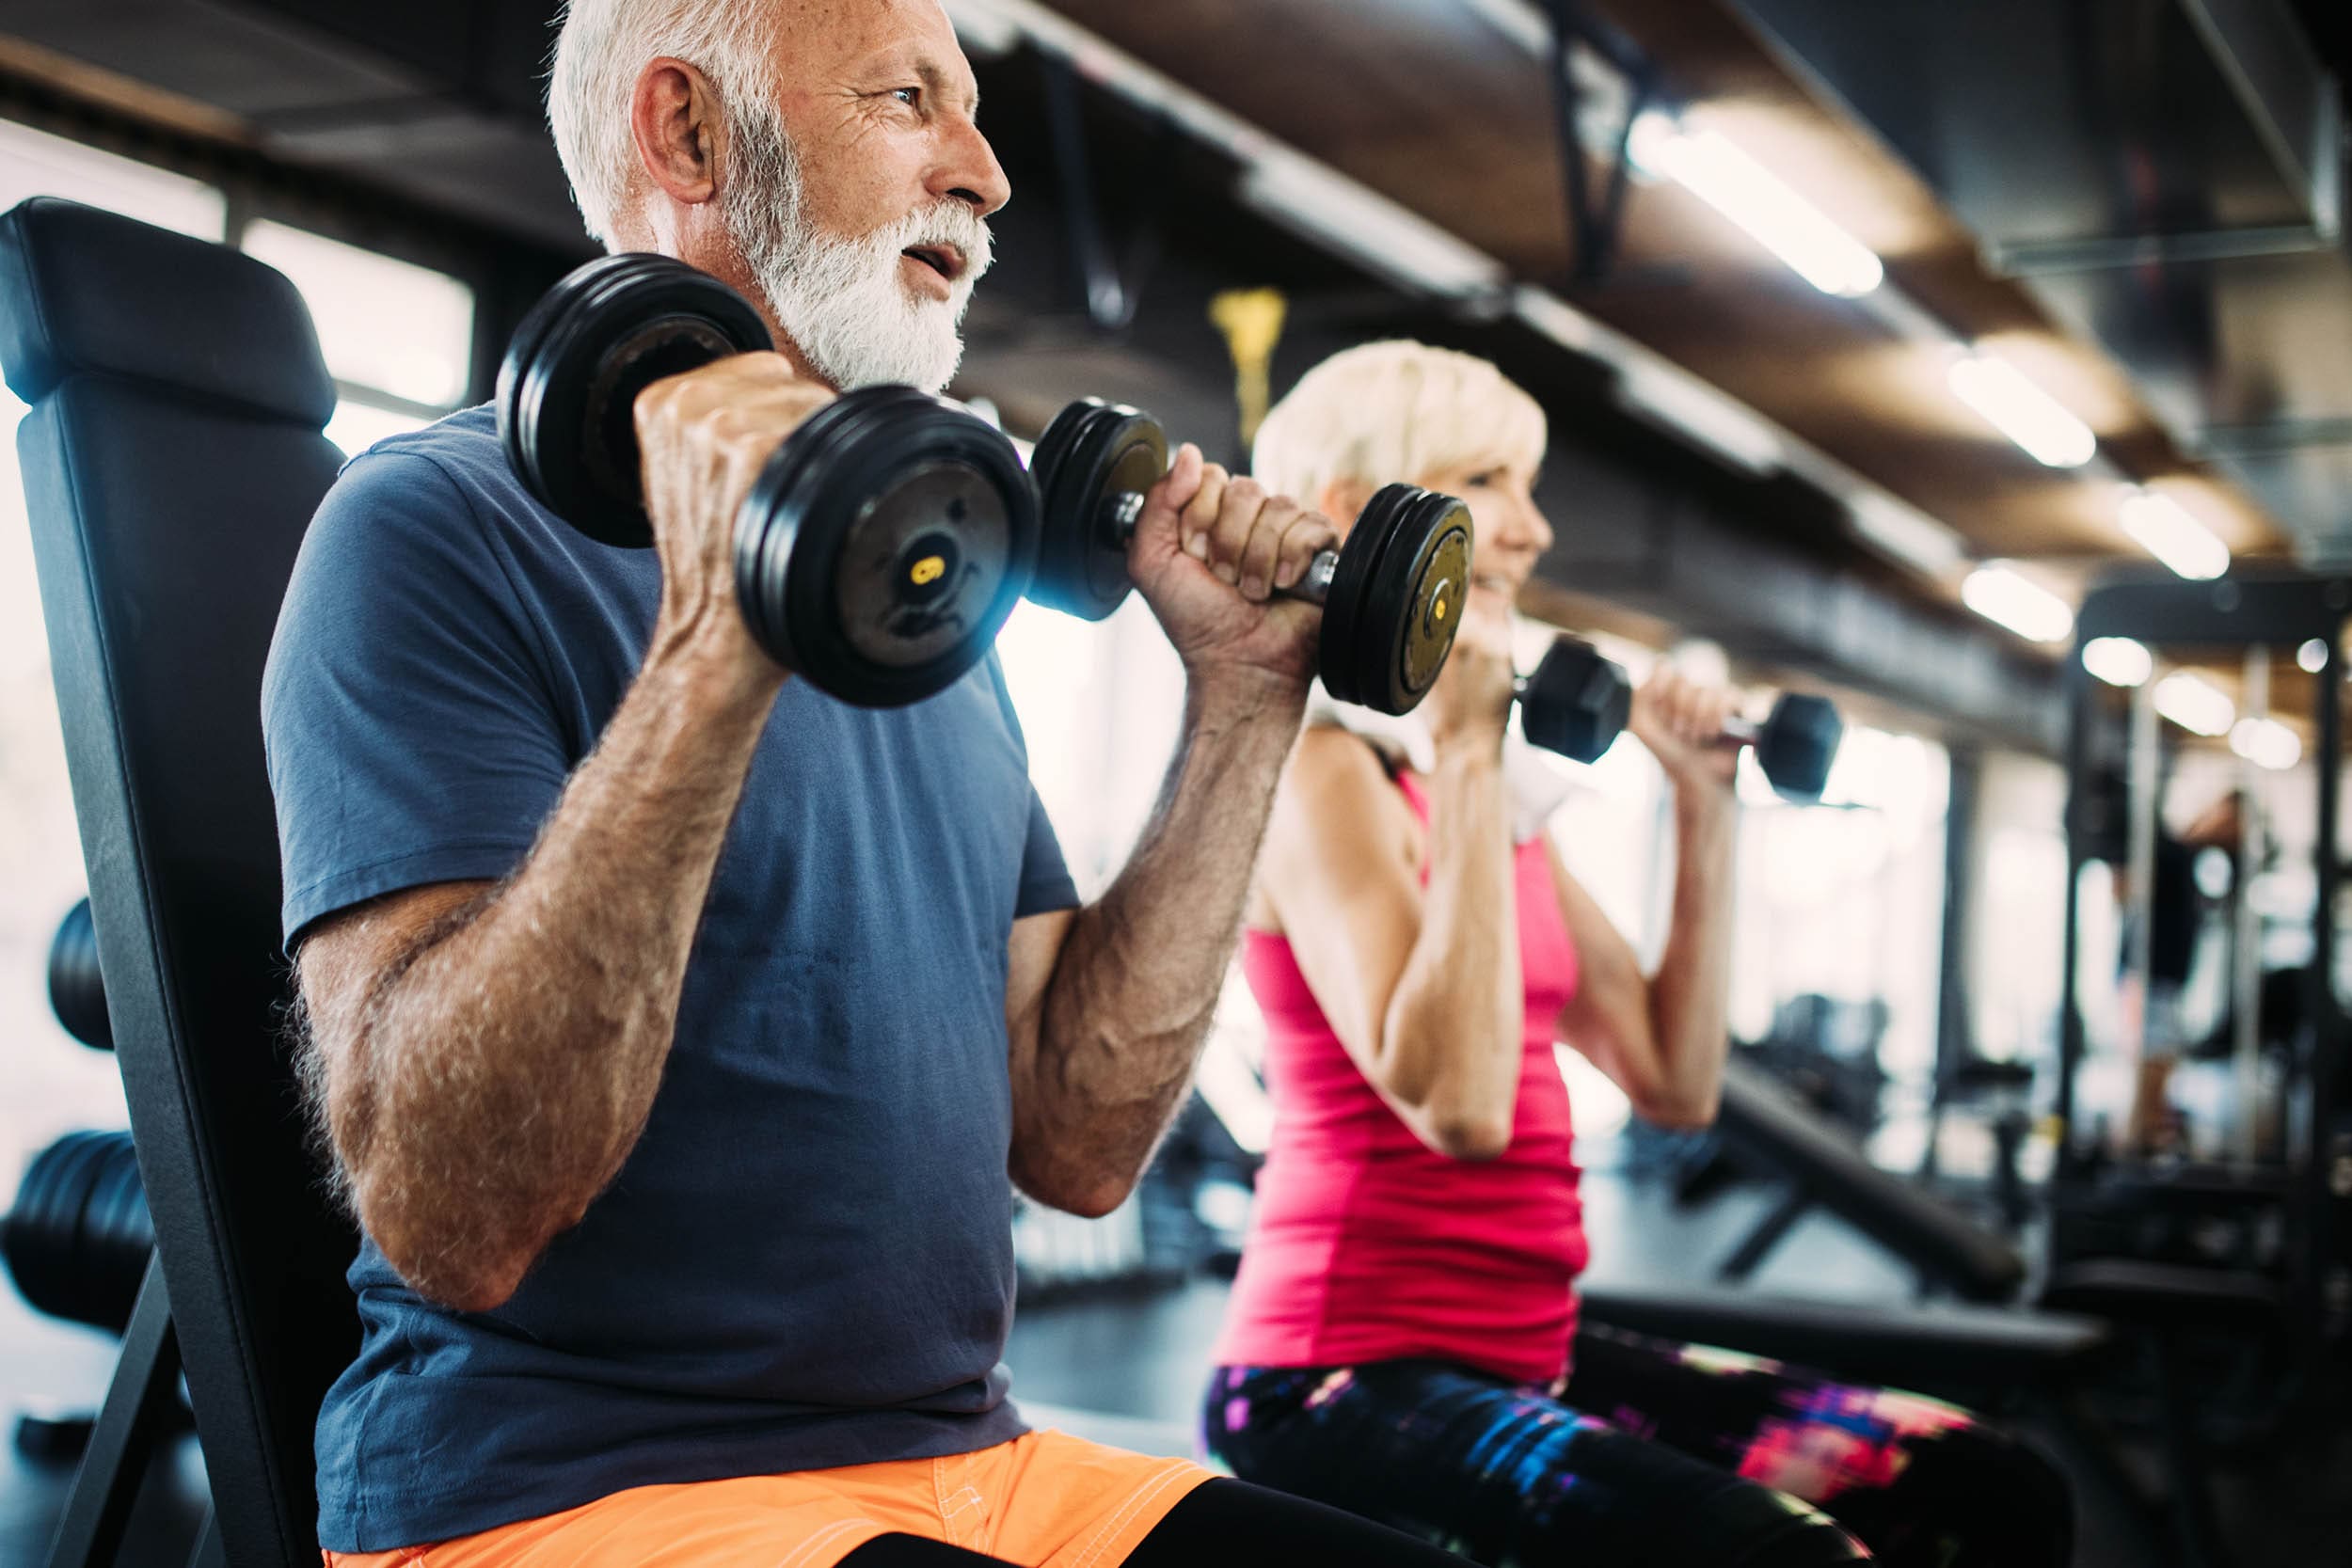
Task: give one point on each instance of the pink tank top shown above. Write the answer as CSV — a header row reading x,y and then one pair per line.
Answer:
x,y
1368,1245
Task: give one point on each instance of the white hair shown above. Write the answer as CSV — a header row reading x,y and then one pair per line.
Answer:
x,y
602,47
1392,412
838,298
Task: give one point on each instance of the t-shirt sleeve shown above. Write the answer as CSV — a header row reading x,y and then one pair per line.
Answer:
x,y
1045,881
411,733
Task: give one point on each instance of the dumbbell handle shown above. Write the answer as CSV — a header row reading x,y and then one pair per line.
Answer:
x,y
1314,586
1737,731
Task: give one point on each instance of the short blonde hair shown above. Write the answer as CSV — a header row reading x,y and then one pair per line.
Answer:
x,y
602,47
1395,411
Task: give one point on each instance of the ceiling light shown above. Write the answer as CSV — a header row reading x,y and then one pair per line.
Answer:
x,y
1388,239
2195,704
984,31
2021,411
2119,660
1551,316
1905,532
1750,195
2312,657
1687,407
2267,743
2164,530
2000,595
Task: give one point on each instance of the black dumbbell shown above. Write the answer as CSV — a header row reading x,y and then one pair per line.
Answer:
x,y
883,544
78,1241
78,992
1391,599
1578,701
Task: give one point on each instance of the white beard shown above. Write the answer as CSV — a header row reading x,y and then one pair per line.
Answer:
x,y
843,302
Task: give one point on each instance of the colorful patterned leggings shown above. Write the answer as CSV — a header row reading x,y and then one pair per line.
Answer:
x,y
1656,1454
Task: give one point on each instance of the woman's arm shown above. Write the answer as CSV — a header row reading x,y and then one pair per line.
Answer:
x,y
1422,988
1663,1037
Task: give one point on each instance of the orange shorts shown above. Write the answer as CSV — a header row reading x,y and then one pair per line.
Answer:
x,y
1046,1498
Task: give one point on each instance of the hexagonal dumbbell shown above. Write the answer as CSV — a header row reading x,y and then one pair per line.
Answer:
x,y
1577,699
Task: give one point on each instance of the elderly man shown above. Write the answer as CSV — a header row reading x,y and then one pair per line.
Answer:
x,y
673,1028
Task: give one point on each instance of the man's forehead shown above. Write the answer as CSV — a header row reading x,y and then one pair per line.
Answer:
x,y
845,32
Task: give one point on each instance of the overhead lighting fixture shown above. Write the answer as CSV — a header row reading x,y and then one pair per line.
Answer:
x,y
1545,311
2267,743
1905,532
2312,657
2195,704
2119,660
1718,173
2166,529
1687,407
2021,411
1385,238
983,29
2006,598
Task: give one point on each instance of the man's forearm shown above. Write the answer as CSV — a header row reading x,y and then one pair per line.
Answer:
x,y
1136,984
1689,994
503,1071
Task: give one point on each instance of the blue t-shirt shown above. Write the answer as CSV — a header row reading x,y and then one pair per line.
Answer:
x,y
807,1260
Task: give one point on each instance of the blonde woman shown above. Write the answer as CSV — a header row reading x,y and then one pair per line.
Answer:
x,y
1399,1338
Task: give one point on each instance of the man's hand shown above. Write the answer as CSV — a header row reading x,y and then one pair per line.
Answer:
x,y
1681,722
704,438
1208,553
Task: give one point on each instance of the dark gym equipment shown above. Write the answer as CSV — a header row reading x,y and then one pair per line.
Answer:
x,y
78,1241
1391,598
1578,701
1820,1165
172,460
883,544
77,993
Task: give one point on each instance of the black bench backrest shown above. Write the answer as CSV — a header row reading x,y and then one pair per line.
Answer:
x,y
172,460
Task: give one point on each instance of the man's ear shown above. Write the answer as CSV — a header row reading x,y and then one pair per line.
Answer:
x,y
1342,500
672,119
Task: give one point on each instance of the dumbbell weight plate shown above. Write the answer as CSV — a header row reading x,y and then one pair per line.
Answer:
x,y
1396,599
78,992
567,388
882,547
78,1241
1093,454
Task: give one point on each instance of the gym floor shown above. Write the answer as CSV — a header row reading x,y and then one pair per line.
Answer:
x,y
1141,1355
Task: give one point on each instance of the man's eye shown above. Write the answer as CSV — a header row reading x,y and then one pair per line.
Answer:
x,y
909,96
1481,481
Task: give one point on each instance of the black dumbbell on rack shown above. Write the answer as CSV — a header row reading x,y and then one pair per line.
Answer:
x,y
77,993
884,542
1391,598
1577,699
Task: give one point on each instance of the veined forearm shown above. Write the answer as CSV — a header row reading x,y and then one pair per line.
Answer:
x,y
1136,984
1450,1043
507,1067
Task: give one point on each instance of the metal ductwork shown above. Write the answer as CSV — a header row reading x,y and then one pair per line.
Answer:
x,y
2166,177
